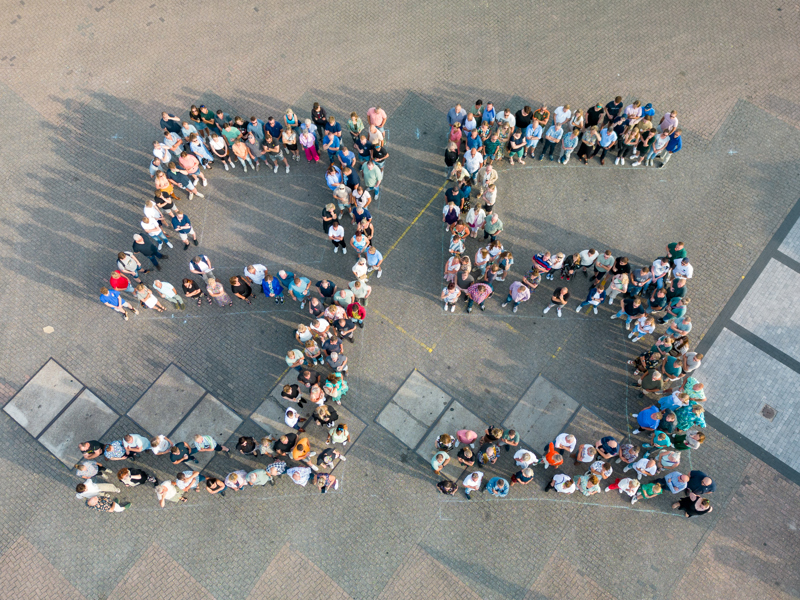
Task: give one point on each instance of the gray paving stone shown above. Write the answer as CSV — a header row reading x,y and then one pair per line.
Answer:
x,y
43,397
86,418
167,401
454,418
790,245
210,417
768,311
738,400
413,409
541,414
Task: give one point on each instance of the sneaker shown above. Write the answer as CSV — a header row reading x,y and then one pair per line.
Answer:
x,y
594,308
125,316
225,165
342,457
191,195
578,309
344,250
275,169
245,168
453,308
276,300
195,242
616,162
170,244
310,454
233,165
634,500
380,273
558,311
636,164
256,166
287,168
619,460
504,304
622,161
199,194
445,307
205,182
336,485
336,250
544,312
302,305
635,431
281,298
608,489
314,467
516,307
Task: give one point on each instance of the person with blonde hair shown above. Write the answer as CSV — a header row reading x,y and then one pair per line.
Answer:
x,y
147,298
445,442
217,292
618,285
589,484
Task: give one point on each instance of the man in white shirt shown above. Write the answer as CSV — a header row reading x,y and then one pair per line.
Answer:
x,y
587,259
561,483
168,292
643,466
88,489
660,269
160,444
255,274
565,442
682,268
135,444
525,458
189,480
507,117
161,153
153,229
562,114
473,161
472,483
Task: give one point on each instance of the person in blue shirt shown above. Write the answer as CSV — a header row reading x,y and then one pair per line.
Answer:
x,y
272,288
273,127
673,146
647,419
183,226
498,487
489,114
299,289
256,127
113,300
551,139
333,127
533,133
346,158
474,141
456,115
374,260
331,143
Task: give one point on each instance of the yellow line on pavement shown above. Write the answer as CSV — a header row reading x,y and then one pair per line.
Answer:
x,y
401,330
402,235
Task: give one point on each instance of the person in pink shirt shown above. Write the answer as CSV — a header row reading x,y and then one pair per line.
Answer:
x,y
191,165
377,116
466,437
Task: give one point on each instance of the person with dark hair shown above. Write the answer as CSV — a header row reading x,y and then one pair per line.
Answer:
x,y
694,506
134,477
247,446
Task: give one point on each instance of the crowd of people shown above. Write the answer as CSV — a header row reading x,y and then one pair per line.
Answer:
x,y
188,148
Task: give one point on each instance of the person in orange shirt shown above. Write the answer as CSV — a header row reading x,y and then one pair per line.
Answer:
x,y
552,458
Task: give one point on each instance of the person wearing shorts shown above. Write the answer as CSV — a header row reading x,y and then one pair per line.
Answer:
x,y
183,227
275,152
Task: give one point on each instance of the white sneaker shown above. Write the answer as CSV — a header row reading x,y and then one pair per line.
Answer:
x,y
594,308
310,454
504,304
170,244
544,312
336,250
191,195
233,165
380,272
445,307
628,326
472,446
634,500
616,162
622,161
199,194
635,431
342,457
205,182
315,467
256,167
613,316
344,250
336,484
275,170
287,168
608,489
636,164
453,308
578,309
245,168
225,165
558,311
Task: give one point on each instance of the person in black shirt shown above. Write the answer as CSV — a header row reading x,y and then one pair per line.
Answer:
x,y
594,114
134,477
465,456
700,484
464,279
345,328
379,154
315,307
558,299
320,119
630,309
333,344
192,290
247,446
327,456
524,117
181,452
612,109
240,289
308,377
329,216
326,289
148,248
91,449
285,444
620,266
292,394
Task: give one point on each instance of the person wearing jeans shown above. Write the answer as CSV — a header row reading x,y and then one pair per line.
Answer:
x,y
148,248
551,139
630,309
518,293
568,145
153,229
373,176
607,140
659,145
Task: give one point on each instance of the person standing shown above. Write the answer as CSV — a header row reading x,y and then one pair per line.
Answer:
x,y
518,293
183,226
558,299
561,483
674,145
113,300
568,145
168,292
608,138
134,477
201,265
551,139
373,176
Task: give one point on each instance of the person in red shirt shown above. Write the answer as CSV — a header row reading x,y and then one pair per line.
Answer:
x,y
120,283
356,312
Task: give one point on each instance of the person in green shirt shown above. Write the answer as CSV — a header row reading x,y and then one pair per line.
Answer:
x,y
355,126
676,250
372,178
231,133
510,438
647,491
492,147
492,227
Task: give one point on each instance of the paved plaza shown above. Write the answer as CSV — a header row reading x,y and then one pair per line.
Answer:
x,y
83,86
